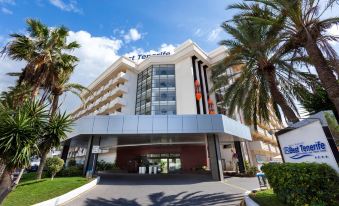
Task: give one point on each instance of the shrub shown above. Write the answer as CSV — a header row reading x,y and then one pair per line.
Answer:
x,y
303,183
72,171
71,163
103,166
250,170
54,165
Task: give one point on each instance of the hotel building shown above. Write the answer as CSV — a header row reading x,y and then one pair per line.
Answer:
x,y
162,112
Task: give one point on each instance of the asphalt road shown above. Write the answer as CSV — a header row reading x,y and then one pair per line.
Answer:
x,y
164,190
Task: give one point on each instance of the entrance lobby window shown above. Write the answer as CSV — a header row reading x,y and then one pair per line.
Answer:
x,y
168,163
156,90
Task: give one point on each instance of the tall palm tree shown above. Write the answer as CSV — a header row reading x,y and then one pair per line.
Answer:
x,y
19,131
56,86
40,49
266,77
304,30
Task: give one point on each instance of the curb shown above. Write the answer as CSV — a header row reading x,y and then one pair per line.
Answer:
x,y
69,195
248,200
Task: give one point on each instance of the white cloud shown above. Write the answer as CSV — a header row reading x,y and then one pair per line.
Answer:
x,y
132,35
334,30
6,11
8,65
198,32
214,34
95,54
4,4
71,6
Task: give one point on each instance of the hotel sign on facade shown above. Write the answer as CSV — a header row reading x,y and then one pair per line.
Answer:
x,y
145,56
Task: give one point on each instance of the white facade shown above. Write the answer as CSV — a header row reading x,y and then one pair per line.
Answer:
x,y
115,92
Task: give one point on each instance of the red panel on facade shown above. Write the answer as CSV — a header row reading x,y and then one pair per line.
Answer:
x,y
192,156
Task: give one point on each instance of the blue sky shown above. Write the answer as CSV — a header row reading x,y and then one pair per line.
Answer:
x,y
158,22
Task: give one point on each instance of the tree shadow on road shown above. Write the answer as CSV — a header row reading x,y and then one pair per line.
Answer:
x,y
180,199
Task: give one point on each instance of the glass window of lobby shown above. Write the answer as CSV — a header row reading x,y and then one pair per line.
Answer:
x,y
156,90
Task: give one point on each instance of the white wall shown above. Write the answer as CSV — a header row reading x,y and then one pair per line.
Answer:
x,y
130,96
185,92
111,143
226,154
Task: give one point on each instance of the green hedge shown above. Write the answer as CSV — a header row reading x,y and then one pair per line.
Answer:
x,y
72,171
104,166
303,183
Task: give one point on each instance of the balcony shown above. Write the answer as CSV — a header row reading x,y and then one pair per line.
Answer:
x,y
259,147
122,76
117,91
257,136
116,103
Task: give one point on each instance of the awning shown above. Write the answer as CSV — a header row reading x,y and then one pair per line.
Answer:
x,y
160,124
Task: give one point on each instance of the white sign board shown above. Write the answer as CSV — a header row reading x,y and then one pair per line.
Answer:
x,y
95,149
307,144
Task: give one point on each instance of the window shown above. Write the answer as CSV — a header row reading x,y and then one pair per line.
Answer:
x,y
156,90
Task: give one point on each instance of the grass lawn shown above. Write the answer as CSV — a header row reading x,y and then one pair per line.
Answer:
x,y
29,191
266,198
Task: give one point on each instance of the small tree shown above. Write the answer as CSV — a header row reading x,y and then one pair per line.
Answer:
x,y
54,165
19,130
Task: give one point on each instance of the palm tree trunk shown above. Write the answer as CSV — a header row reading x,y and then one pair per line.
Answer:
x,y
16,182
44,153
278,97
37,85
5,185
325,73
55,104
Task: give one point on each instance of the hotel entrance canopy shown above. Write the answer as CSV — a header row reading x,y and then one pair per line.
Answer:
x,y
121,125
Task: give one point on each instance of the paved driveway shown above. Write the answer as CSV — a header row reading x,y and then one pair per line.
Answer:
x,y
163,190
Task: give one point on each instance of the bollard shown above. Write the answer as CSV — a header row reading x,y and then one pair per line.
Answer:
x,y
262,180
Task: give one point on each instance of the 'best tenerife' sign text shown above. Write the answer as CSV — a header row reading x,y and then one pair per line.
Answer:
x,y
300,151
145,56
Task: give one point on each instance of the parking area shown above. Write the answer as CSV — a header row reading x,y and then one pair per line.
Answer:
x,y
163,190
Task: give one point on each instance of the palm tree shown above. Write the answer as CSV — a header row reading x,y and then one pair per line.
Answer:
x,y
55,131
315,101
266,78
40,49
56,86
49,67
19,132
304,30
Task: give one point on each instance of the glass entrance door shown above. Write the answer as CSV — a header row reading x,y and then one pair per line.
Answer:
x,y
174,165
168,163
164,165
